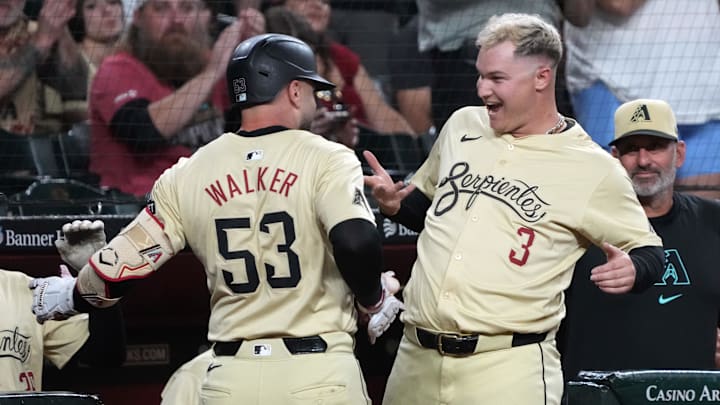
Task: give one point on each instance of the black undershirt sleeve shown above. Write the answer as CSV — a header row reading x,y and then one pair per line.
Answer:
x,y
649,264
106,345
133,126
357,249
412,211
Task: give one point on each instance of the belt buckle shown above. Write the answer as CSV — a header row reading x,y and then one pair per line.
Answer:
x,y
440,348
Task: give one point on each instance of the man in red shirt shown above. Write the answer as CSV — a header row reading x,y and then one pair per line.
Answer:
x,y
161,96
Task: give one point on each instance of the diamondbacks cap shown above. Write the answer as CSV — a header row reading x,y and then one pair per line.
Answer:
x,y
645,117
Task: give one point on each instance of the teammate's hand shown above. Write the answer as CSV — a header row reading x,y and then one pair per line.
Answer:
x,y
617,276
82,239
387,193
384,312
53,296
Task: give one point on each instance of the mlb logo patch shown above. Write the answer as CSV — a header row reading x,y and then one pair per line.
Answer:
x,y
262,350
254,155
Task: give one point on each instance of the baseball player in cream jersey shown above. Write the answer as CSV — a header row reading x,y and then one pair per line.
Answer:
x,y
279,220
25,343
509,198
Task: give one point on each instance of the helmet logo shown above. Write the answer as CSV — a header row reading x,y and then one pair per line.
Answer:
x,y
239,89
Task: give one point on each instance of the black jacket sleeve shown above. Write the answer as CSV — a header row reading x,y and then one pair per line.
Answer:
x,y
106,345
358,254
412,211
133,126
649,264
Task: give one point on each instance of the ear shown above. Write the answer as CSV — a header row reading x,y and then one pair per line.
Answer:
x,y
615,152
543,77
294,93
680,153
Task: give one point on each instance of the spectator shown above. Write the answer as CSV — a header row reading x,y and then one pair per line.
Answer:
x,y
673,324
161,96
660,49
97,27
343,67
411,79
447,30
97,339
332,119
40,69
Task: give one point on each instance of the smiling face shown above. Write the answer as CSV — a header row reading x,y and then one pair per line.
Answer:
x,y
507,85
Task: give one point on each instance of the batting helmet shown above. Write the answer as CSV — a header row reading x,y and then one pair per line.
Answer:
x,y
262,65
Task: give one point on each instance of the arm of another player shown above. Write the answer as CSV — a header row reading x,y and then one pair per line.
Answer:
x,y
625,272
403,204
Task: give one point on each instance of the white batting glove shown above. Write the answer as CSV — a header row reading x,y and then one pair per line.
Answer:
x,y
384,312
53,296
82,239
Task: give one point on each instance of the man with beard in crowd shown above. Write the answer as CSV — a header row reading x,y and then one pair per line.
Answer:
x,y
160,97
40,68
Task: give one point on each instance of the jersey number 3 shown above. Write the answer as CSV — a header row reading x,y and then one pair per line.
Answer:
x,y
253,279
527,236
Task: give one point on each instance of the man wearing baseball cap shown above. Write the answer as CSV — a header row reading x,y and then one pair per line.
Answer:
x,y
672,325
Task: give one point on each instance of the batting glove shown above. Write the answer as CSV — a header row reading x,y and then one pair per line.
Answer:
x,y
53,296
82,239
384,312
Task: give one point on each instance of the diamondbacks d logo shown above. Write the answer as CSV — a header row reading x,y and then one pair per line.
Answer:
x,y
641,114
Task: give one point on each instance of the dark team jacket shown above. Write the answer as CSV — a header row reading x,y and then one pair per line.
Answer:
x,y
672,325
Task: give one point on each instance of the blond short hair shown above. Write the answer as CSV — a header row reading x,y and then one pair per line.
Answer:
x,y
531,35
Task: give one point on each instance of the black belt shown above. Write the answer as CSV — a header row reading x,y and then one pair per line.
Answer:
x,y
460,345
300,345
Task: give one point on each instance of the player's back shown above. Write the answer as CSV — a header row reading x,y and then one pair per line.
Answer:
x,y
256,210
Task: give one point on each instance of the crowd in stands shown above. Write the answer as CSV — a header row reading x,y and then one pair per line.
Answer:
x,y
147,75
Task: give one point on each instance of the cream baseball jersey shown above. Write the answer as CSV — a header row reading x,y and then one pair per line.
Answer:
x,y
256,210
24,343
509,219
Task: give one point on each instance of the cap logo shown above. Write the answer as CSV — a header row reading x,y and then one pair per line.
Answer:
x,y
641,114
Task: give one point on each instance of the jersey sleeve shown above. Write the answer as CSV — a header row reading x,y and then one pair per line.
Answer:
x,y
614,215
340,190
426,177
165,205
62,339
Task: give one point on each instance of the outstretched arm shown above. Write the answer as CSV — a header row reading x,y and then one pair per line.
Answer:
x,y
625,272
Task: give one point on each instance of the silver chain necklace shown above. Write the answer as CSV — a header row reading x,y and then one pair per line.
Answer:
x,y
558,125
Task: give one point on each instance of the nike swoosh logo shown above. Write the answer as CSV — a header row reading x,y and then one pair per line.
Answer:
x,y
213,366
662,300
466,138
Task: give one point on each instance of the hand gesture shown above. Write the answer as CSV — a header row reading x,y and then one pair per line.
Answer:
x,y
387,193
617,276
253,22
53,296
82,239
224,46
52,21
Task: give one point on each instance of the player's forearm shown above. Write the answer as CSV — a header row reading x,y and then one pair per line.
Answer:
x,y
172,113
357,250
649,262
106,345
413,210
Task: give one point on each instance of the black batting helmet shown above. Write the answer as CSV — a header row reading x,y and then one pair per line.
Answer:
x,y
262,65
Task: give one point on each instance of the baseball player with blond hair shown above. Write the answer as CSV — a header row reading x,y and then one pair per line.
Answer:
x,y
509,198
97,338
278,218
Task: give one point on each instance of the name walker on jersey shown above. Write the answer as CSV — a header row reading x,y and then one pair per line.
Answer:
x,y
250,181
